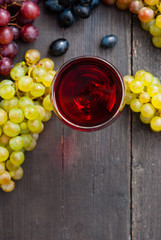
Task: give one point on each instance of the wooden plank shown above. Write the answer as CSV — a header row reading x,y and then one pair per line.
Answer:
x,y
146,151
96,173
33,210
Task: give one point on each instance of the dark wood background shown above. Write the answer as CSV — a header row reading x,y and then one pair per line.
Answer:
x,y
104,185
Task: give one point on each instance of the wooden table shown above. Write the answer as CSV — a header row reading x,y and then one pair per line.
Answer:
x,y
104,185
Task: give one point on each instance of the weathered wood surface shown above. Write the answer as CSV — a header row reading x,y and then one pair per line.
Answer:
x,y
81,186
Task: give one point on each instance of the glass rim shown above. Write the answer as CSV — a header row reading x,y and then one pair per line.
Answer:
x,y
88,128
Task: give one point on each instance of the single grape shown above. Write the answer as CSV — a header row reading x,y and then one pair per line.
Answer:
x,y
8,104
7,92
136,86
10,166
11,129
135,105
6,82
18,174
18,71
139,74
158,21
146,25
21,20
155,124
47,64
47,103
6,65
3,116
5,177
2,167
4,139
144,97
4,154
31,146
144,119
30,10
16,32
25,83
29,33
32,56
48,115
9,50
41,112
4,17
17,158
147,78
27,139
146,14
121,6
8,187
156,81
147,110
153,90
38,73
35,126
129,96
31,113
135,6
156,101
35,136
156,41
25,102
16,143
6,35
155,30
16,115
127,80
48,78
37,90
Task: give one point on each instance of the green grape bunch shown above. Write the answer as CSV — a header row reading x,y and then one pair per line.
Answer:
x,y
143,94
24,107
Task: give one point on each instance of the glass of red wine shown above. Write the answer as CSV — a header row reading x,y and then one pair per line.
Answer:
x,y
88,93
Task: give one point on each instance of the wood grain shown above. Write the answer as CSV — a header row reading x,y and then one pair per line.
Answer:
x,y
146,151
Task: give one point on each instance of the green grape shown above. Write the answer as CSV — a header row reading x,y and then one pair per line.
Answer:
x,y
10,166
7,91
41,112
17,158
11,129
5,177
127,80
1,131
2,167
156,41
147,110
47,103
4,139
16,143
8,104
16,115
18,71
31,112
35,126
138,74
155,124
156,101
24,131
153,90
37,90
47,63
31,146
144,97
158,21
35,136
6,82
48,78
4,154
25,102
23,125
156,81
27,139
32,56
25,83
135,105
18,174
48,115
146,25
38,73
8,187
3,116
147,78
154,30
136,86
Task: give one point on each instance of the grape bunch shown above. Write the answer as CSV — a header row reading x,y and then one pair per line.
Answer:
x,y
25,106
149,13
16,18
70,10
143,94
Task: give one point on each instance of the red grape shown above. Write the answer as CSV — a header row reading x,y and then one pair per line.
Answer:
x,y
16,32
135,6
6,35
9,50
30,10
4,17
21,20
6,65
29,33
146,14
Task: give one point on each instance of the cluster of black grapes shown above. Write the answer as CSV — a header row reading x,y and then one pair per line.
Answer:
x,y
16,18
71,10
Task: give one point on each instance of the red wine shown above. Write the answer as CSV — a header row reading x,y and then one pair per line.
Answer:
x,y
87,92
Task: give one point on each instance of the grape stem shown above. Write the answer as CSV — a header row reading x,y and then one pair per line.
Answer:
x,y
14,24
1,57
14,15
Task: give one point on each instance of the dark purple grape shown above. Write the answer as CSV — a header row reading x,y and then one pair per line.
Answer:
x,y
66,2
30,10
4,17
29,33
21,20
16,32
9,50
109,41
59,47
54,6
84,2
6,35
6,65
94,3
66,18
81,11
